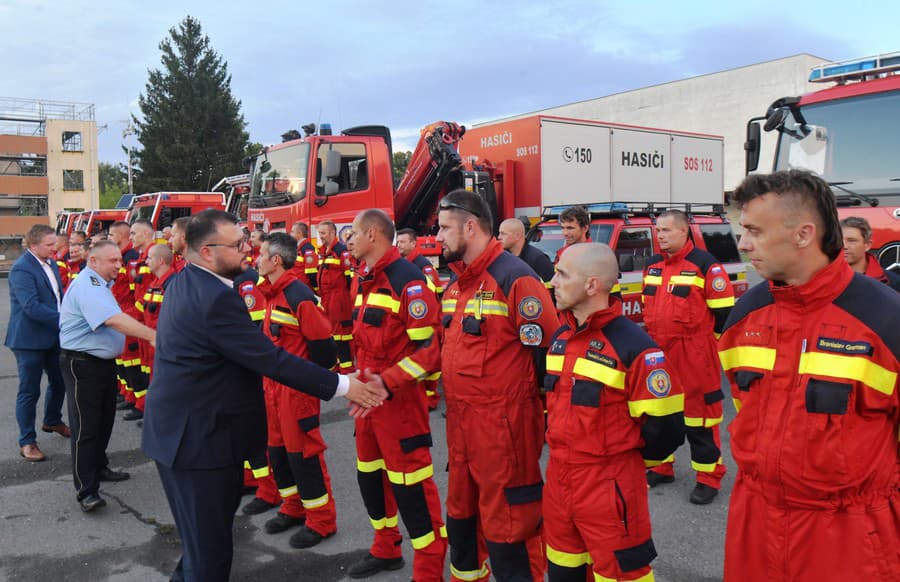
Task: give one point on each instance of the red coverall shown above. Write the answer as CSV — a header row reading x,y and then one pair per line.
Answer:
x,y
496,313
306,268
434,281
687,297
149,306
178,262
395,323
141,279
876,271
62,266
612,405
334,288
72,270
813,371
130,356
295,322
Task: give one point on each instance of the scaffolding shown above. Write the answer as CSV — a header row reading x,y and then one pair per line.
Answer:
x,y
29,116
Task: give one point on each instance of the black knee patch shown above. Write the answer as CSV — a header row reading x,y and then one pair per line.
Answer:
x,y
703,446
413,508
278,458
463,536
509,561
636,557
559,573
308,474
371,487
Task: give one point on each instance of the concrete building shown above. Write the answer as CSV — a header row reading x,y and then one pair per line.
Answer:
x,y
717,103
48,161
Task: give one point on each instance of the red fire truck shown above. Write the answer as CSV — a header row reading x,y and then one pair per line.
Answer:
x,y
163,208
849,134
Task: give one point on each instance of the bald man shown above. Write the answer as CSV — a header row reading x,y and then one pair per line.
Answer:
x,y
512,237
598,453
137,368
159,260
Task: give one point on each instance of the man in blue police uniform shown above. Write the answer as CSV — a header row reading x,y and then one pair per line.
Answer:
x,y
92,333
205,411
35,290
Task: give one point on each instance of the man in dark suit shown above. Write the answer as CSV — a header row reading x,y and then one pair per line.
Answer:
x,y
35,291
205,411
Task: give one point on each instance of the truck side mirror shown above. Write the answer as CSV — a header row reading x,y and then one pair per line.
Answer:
x,y
752,146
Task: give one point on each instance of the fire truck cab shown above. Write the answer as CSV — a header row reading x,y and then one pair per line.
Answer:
x,y
163,208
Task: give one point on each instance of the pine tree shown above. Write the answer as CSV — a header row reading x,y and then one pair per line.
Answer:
x,y
192,131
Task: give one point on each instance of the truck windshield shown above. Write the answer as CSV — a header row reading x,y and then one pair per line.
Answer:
x,y
144,212
279,177
853,140
549,238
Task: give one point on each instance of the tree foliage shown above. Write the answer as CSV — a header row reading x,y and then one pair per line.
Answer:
x,y
401,160
192,131
113,183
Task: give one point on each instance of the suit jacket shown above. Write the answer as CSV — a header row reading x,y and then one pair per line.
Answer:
x,y
34,312
205,407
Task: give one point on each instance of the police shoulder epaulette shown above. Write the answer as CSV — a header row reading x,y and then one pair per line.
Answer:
x,y
401,273
507,269
871,302
756,298
627,338
296,292
703,259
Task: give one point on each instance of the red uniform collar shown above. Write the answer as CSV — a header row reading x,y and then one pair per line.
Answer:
x,y
389,257
164,278
677,257
274,289
822,288
413,254
595,321
477,267
874,269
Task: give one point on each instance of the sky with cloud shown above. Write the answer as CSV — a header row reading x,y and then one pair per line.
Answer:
x,y
406,64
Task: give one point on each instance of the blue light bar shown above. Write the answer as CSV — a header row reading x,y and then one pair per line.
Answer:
x,y
855,69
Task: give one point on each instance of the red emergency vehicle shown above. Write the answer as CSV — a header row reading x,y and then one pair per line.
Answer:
x,y
849,134
163,208
96,221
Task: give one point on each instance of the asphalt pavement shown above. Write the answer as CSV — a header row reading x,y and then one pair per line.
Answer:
x,y
44,536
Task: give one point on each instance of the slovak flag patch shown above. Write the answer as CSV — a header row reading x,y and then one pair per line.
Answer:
x,y
654,358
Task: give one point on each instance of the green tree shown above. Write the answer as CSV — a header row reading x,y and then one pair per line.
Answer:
x,y
191,128
113,183
401,160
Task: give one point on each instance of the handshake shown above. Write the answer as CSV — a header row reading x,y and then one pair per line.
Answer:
x,y
367,391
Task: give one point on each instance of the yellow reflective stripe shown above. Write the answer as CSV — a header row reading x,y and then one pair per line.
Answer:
x,y
260,281
694,280
343,338
648,577
145,369
657,406
121,269
258,473
358,301
140,394
706,467
288,491
436,376
653,280
258,314
412,368
697,422
616,288
629,288
448,305
609,376
311,270
737,404
488,307
548,284
400,478
422,541
651,464
849,368
369,466
331,261
720,303
748,356
139,306
418,334
143,269
470,574
384,522
567,559
430,284
129,363
555,363
386,301
284,318
346,365
314,503
602,578
247,465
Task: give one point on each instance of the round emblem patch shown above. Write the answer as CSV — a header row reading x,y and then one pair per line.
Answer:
x,y
418,309
718,284
530,308
309,259
250,301
531,334
658,383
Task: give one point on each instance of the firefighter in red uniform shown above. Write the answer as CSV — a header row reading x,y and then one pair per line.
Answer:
x,y
142,238
257,238
812,357
119,233
687,296
334,288
497,314
306,267
177,242
612,408
159,261
295,322
77,261
574,222
407,244
857,235
395,327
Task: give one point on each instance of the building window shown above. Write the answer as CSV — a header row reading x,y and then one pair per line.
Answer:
x,y
71,141
73,180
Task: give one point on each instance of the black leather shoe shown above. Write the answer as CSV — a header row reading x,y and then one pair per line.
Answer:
x,y
107,474
370,565
703,494
282,522
91,502
257,506
307,538
654,478
133,414
124,405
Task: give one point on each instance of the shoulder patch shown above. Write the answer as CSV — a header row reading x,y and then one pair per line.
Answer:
x,y
95,282
719,284
654,358
530,307
418,308
250,301
531,334
658,383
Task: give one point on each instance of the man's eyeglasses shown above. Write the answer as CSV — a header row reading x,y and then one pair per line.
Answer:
x,y
235,245
448,205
